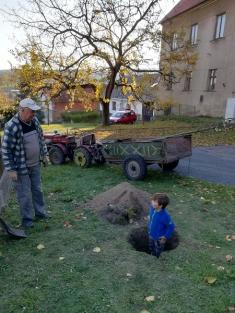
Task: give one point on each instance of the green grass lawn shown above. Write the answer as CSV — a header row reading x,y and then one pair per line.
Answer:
x,y
163,126
41,281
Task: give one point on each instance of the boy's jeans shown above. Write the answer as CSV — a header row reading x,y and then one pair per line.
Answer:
x,y
155,247
30,196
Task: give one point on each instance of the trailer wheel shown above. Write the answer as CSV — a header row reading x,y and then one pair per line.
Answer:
x,y
169,166
134,167
56,156
82,157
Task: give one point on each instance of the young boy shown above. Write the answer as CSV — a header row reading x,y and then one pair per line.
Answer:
x,y
160,226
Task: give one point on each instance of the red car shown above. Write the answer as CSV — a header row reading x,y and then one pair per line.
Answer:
x,y
123,117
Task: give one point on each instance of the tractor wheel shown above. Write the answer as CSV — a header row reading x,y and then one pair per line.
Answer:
x,y
56,156
82,157
169,166
134,167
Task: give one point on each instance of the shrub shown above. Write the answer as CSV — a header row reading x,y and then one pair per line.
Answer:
x,y
78,117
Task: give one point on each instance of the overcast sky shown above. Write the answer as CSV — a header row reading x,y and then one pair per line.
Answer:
x,y
10,35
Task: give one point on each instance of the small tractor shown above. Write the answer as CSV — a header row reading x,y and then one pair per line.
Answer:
x,y
88,151
84,150
60,147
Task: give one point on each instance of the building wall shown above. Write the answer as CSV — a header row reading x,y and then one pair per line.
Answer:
x,y
212,54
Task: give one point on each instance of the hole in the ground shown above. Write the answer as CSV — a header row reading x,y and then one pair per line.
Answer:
x,y
138,238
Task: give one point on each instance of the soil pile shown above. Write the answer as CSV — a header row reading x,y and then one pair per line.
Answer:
x,y
121,204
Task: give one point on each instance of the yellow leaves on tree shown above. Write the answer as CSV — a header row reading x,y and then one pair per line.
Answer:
x,y
178,56
7,104
41,74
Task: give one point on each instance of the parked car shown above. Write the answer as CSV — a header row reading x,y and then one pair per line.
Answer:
x,y
123,117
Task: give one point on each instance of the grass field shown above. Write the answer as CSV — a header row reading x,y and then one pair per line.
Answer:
x,y
67,276
163,126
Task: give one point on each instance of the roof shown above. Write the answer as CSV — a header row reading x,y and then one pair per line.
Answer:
x,y
181,7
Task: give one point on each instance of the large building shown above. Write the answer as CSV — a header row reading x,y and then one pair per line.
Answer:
x,y
210,27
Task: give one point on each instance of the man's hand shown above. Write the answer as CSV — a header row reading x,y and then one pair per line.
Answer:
x,y
13,175
162,240
46,161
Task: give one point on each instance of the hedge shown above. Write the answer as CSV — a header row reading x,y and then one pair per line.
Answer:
x,y
78,117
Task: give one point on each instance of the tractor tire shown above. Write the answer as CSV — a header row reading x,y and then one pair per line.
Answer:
x,y
134,167
56,156
82,157
169,166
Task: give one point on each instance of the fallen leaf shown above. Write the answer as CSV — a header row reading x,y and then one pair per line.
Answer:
x,y
40,246
231,308
144,311
210,280
178,268
230,237
228,258
220,268
61,258
128,274
150,298
67,224
78,217
97,249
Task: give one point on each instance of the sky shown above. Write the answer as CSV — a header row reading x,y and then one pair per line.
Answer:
x,y
10,34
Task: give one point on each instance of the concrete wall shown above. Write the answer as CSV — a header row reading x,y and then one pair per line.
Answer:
x,y
213,54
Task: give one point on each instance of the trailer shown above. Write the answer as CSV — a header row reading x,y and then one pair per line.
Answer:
x,y
136,154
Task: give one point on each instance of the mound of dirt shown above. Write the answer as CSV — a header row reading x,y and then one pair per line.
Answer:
x,y
138,238
121,204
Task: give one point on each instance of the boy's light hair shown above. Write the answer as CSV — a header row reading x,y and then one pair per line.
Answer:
x,y
161,198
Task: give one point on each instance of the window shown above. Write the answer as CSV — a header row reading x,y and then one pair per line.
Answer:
x,y
212,79
220,26
187,82
114,106
121,106
194,32
174,44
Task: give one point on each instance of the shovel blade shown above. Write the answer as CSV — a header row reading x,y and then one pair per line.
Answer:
x,y
11,231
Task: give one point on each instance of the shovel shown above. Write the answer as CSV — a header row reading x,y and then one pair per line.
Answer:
x,y
11,231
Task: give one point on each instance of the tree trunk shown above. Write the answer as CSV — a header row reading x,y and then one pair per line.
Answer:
x,y
108,94
105,117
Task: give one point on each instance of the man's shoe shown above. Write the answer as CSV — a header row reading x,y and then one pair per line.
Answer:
x,y
27,226
44,217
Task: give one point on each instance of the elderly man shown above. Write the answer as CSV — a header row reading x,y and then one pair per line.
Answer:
x,y
23,148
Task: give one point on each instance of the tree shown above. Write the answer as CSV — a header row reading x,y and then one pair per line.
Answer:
x,y
113,35
38,74
109,33
8,106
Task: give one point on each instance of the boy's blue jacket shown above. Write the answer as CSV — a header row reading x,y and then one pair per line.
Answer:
x,y
160,224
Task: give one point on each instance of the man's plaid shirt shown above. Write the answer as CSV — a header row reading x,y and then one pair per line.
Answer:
x,y
13,154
